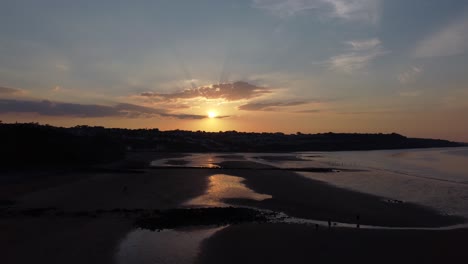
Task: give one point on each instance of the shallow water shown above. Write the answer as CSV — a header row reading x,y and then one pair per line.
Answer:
x,y
444,164
182,245
202,160
224,186
437,177
165,247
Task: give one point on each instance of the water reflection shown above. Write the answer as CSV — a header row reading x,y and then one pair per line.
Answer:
x,y
224,186
203,160
168,246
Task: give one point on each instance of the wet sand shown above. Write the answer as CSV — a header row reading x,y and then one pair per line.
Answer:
x,y
177,162
233,156
50,238
279,158
153,189
292,243
306,198
93,239
61,240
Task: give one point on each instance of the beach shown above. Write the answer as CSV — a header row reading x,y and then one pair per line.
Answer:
x,y
292,243
87,216
86,238
254,131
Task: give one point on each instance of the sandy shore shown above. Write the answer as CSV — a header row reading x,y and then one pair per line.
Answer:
x,y
292,243
61,240
306,198
53,238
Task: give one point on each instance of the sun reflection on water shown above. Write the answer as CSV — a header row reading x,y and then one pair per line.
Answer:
x,y
222,187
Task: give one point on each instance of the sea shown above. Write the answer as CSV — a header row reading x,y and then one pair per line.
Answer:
x,y
434,177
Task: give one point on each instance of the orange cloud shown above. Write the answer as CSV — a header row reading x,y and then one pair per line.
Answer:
x,y
10,91
227,91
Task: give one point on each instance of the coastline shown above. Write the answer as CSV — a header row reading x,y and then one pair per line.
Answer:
x,y
293,243
94,238
311,199
50,238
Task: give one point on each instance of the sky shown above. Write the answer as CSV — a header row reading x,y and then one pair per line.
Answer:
x,y
310,66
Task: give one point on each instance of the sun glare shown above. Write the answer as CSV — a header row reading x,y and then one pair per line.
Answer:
x,y
212,114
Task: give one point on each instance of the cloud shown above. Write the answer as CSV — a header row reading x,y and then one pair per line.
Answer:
x,y
62,66
309,111
286,8
410,75
364,10
227,91
351,62
269,106
364,44
187,116
57,89
372,112
362,53
10,91
451,40
49,108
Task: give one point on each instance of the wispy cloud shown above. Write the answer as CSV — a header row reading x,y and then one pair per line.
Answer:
x,y
410,75
269,106
227,91
57,89
308,111
366,44
364,10
451,40
10,91
49,108
62,66
379,112
188,116
286,8
361,54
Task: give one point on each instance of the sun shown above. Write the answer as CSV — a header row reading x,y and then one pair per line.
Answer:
x,y
212,114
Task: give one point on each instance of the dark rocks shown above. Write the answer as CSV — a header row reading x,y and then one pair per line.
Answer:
x,y
175,218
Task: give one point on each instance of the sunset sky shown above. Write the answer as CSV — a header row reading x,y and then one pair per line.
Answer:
x,y
254,65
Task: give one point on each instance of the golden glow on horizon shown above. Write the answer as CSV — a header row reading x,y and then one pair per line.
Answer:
x,y
212,114
270,121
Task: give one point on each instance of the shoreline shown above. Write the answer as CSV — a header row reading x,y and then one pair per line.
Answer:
x,y
131,186
293,243
302,197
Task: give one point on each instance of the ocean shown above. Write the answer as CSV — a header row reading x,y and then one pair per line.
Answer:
x,y
434,177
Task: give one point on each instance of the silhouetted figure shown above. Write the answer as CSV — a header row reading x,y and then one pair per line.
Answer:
x,y
357,221
329,223
316,227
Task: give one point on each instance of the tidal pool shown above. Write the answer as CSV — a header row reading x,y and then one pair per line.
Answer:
x,y
179,246
222,187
